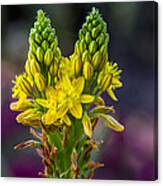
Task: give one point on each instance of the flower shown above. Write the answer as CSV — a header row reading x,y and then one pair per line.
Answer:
x,y
109,79
66,97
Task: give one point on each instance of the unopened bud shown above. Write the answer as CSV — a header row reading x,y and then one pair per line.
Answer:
x,y
40,54
40,81
96,30
48,57
45,45
106,82
82,46
96,59
92,47
87,70
77,64
35,67
86,56
88,38
38,38
26,86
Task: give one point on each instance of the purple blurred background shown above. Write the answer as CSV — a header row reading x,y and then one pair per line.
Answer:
x,y
131,154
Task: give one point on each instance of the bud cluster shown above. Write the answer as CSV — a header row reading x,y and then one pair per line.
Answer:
x,y
44,54
92,46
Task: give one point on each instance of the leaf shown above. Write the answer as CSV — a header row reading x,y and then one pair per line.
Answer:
x,y
54,139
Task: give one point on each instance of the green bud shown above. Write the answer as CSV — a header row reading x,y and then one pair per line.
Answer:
x,y
40,54
45,45
88,37
54,44
81,34
87,70
92,47
51,37
48,57
96,59
40,81
82,46
86,56
77,48
96,31
38,38
100,39
45,34
31,55
58,53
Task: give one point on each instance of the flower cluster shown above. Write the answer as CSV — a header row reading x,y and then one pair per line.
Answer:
x,y
64,91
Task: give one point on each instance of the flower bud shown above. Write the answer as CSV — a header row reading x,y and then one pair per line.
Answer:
x,y
49,79
93,47
82,46
88,38
48,57
106,82
86,56
27,67
76,65
40,54
25,86
58,53
100,39
53,68
77,48
31,55
45,45
87,70
38,38
96,59
40,81
96,31
35,67
54,44
87,125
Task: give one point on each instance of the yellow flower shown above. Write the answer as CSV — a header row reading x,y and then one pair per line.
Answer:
x,y
22,85
71,96
109,79
22,104
67,96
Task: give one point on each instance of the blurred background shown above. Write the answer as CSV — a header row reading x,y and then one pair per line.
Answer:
x,y
131,154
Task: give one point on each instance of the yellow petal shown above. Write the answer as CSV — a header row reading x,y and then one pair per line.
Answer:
x,y
99,101
67,120
111,94
87,126
86,98
50,117
50,92
77,110
62,110
116,82
79,84
43,102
